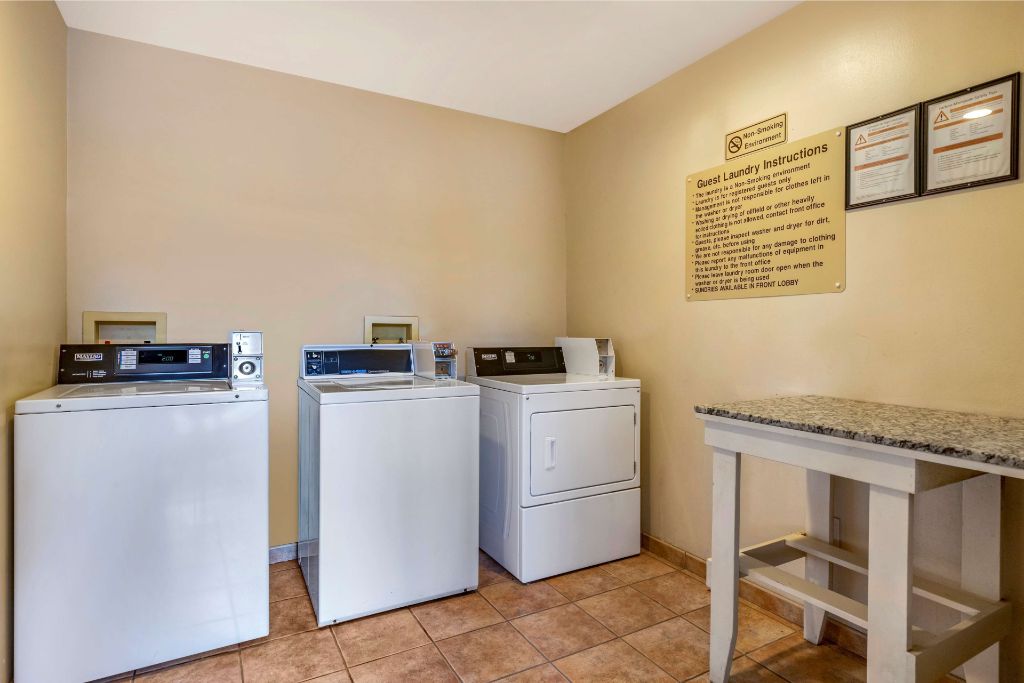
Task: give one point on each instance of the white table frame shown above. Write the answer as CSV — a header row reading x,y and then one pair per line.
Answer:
x,y
897,651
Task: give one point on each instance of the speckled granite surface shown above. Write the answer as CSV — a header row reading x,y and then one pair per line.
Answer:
x,y
982,438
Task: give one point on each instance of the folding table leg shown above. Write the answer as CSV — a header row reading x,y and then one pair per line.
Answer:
x,y
890,539
980,560
724,578
817,570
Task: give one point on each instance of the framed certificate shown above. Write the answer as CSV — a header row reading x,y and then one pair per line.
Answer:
x,y
972,136
881,158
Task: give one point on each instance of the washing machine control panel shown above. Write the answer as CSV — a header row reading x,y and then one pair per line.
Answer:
x,y
145,360
98,363
356,359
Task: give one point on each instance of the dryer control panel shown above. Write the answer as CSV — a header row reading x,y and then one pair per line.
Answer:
x,y
98,363
519,360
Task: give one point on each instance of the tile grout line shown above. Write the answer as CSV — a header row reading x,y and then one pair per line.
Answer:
x,y
420,624
548,660
609,590
349,667
481,628
341,653
554,662
621,637
481,594
763,645
618,636
446,660
506,620
669,608
588,596
435,641
526,614
646,657
249,644
432,641
241,667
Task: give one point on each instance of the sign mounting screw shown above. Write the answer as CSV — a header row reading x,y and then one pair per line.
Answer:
x,y
838,285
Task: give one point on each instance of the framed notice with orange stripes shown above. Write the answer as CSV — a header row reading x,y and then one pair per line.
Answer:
x,y
881,158
972,136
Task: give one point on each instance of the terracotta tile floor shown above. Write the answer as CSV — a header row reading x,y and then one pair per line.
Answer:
x,y
637,619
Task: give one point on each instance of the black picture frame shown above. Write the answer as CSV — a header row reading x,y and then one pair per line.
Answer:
x,y
916,146
1014,118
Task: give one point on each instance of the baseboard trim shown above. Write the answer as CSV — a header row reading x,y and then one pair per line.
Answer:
x,y
283,553
843,635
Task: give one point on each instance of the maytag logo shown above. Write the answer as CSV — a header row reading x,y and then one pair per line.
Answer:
x,y
88,357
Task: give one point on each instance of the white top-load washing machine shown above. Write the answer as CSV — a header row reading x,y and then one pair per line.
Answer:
x,y
559,462
388,477
140,511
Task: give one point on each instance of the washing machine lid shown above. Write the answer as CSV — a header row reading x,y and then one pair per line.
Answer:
x,y
552,383
65,398
384,388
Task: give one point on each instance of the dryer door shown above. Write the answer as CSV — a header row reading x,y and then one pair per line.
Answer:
x,y
576,449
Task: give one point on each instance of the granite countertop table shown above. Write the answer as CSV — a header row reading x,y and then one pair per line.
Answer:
x,y
969,436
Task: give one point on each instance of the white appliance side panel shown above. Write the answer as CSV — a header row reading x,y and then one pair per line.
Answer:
x,y
142,533
399,504
580,354
499,476
563,537
561,404
309,494
575,449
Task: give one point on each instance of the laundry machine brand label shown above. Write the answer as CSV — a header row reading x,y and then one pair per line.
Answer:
x,y
115,362
489,356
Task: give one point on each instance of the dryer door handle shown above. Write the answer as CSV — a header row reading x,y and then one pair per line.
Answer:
x,y
549,452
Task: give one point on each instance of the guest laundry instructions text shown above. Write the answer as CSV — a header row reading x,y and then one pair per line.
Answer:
x,y
770,224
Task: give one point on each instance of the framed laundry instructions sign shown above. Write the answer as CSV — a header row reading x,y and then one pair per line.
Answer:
x,y
881,158
972,136
769,224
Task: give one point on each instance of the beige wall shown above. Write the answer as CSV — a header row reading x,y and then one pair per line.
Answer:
x,y
32,236
932,315
232,197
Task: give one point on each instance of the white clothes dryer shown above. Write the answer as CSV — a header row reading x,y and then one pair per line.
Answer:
x,y
559,462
